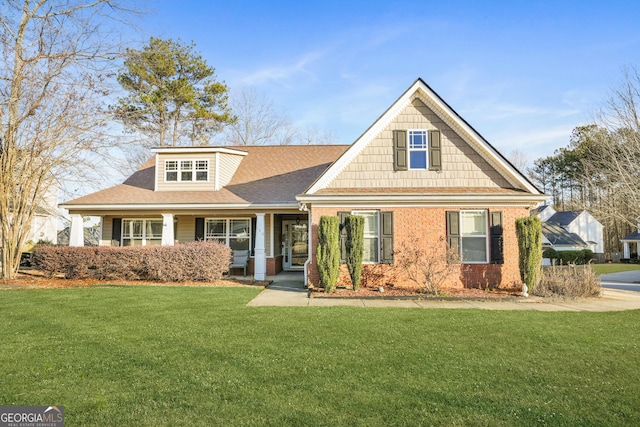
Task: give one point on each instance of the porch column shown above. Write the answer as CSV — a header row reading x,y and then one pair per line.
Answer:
x,y
167,230
627,253
260,261
76,233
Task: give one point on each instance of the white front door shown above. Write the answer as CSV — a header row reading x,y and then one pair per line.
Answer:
x,y
295,247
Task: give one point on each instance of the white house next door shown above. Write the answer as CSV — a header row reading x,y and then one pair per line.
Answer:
x,y
294,245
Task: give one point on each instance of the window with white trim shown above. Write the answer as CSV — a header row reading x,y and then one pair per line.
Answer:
x,y
141,232
233,232
371,235
186,170
418,147
474,236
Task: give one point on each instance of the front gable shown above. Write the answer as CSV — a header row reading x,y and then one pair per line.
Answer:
x,y
376,166
462,160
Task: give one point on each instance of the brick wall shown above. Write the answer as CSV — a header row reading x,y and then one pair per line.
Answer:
x,y
429,225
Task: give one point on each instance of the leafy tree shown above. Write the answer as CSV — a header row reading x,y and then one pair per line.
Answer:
x,y
355,248
328,252
173,95
54,59
529,232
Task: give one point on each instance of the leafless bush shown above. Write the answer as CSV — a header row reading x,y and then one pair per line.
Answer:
x,y
428,266
571,281
197,261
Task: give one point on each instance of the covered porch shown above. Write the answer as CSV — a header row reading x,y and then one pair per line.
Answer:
x,y
276,240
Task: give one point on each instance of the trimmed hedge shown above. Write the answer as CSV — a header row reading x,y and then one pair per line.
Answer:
x,y
196,261
584,256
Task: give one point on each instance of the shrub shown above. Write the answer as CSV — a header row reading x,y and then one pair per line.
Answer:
x,y
355,248
197,261
328,252
529,232
569,282
550,253
428,266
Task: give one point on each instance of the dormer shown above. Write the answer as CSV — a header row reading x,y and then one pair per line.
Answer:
x,y
195,168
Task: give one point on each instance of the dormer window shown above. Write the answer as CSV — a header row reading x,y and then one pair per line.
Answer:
x,y
186,170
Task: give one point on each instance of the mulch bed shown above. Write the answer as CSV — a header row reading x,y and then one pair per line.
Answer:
x,y
453,293
36,280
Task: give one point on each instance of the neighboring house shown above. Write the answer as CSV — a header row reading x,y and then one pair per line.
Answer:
x,y
570,230
633,237
44,225
419,170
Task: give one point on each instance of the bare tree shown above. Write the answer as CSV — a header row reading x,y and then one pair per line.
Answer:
x,y
258,121
55,59
519,159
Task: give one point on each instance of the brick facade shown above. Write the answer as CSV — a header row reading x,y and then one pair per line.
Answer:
x,y
429,224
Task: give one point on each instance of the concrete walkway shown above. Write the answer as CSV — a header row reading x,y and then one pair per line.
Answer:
x,y
287,290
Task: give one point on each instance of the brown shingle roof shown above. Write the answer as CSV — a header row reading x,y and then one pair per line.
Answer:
x,y
268,174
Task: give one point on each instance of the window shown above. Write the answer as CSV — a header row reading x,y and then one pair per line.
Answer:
x,y
171,170
371,235
141,232
202,170
467,232
418,146
235,233
183,170
186,170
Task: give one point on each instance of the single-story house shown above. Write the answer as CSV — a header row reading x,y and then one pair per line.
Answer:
x,y
633,237
418,170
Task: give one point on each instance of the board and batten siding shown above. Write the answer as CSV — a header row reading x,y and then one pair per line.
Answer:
x,y
462,166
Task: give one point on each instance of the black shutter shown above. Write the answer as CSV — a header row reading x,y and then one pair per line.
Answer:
x,y
116,231
453,232
497,252
435,151
254,225
199,229
343,237
386,238
399,150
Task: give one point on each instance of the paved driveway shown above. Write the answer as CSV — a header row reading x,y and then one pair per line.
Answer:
x,y
624,280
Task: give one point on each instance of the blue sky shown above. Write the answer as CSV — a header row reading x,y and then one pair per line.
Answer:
x,y
522,73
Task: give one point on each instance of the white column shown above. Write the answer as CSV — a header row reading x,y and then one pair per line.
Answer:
x,y
167,230
260,261
76,233
627,253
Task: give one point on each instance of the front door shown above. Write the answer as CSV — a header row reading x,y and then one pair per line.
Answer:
x,y
295,247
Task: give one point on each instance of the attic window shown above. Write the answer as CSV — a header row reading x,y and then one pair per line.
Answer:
x,y
418,146
183,170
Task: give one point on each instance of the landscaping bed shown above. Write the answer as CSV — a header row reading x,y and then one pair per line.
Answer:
x,y
33,279
413,293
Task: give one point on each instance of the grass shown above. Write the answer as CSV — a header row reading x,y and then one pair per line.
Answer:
x,y
153,356
614,268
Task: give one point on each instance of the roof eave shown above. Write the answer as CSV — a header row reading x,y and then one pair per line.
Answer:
x,y
422,199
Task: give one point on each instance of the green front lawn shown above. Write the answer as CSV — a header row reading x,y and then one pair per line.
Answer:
x,y
614,268
136,356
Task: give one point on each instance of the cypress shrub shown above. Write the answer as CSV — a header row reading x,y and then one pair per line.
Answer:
x,y
529,232
328,252
355,248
